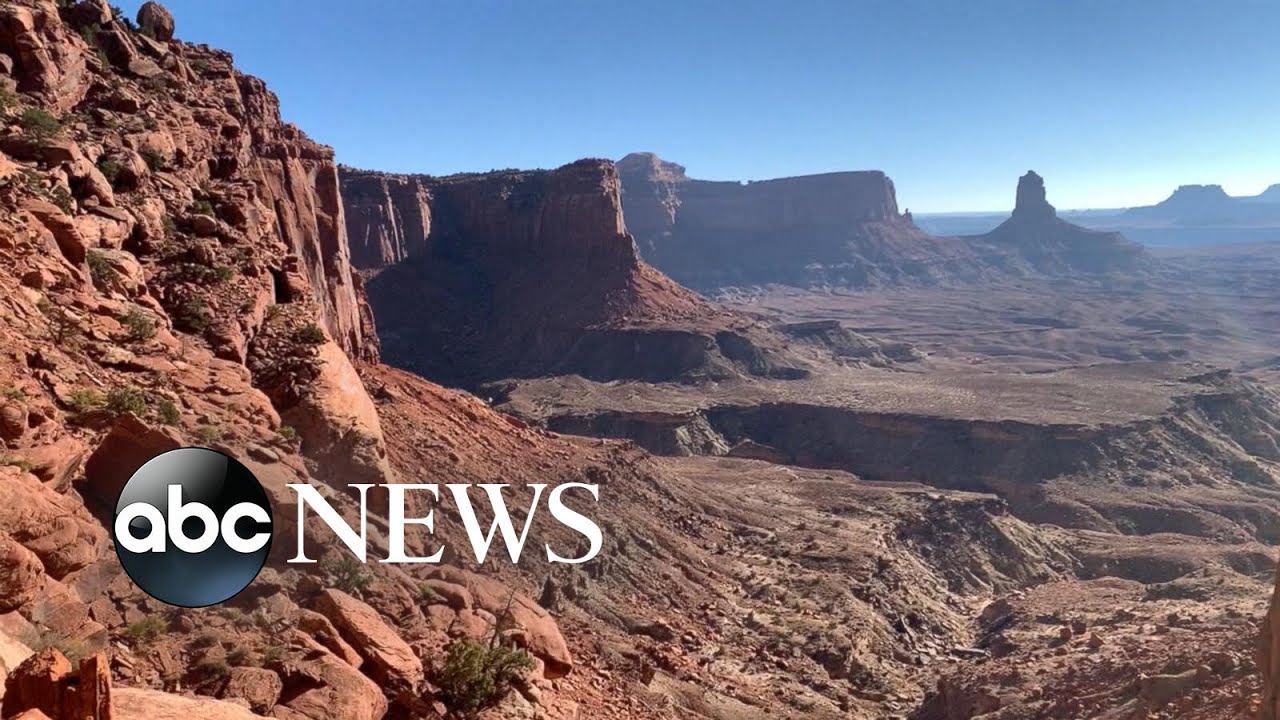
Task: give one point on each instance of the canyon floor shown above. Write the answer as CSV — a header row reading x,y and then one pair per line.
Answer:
x,y
1064,506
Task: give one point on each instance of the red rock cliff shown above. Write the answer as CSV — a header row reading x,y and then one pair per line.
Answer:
x,y
516,267
834,227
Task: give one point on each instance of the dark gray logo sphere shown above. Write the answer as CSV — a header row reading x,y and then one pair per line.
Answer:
x,y
192,527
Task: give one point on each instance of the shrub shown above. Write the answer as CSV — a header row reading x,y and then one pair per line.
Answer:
x,y
288,433
223,274
476,676
272,654
89,33
346,574
70,648
62,323
20,463
110,170
168,411
201,207
61,197
147,630
213,668
100,268
311,335
154,159
427,595
238,657
15,393
8,100
139,324
85,400
206,640
192,315
39,125
126,399
208,434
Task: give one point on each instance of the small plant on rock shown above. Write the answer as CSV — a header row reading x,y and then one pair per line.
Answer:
x,y
239,657
346,574
110,170
168,411
477,676
20,463
208,434
86,400
272,654
126,399
8,100
311,335
139,324
39,124
62,324
288,433
154,159
214,668
147,630
192,315
100,268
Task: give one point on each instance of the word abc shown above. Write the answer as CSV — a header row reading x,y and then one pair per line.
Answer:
x,y
175,520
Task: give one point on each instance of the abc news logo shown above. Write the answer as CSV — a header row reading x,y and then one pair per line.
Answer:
x,y
193,527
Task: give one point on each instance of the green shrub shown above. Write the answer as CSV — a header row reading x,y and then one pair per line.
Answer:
x,y
89,33
192,315
288,433
154,159
61,197
311,335
272,654
61,323
110,170
476,676
15,393
139,324
147,630
168,411
126,399
427,595
206,640
85,400
213,667
201,207
39,125
238,657
208,434
100,268
346,574
21,463
8,100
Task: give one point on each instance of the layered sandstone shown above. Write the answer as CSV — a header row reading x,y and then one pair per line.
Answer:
x,y
837,229
526,273
1034,240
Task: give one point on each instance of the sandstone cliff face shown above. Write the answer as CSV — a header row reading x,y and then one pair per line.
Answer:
x,y
835,228
483,276
841,229
1035,240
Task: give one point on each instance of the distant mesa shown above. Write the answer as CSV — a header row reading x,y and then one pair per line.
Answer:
x,y
1211,205
840,229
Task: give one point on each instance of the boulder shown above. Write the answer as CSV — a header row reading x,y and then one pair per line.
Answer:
x,y
389,658
257,686
541,636
321,687
318,628
140,704
127,446
55,527
21,575
46,682
155,20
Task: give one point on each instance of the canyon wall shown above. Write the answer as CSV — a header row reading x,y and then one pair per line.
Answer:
x,y
525,273
840,229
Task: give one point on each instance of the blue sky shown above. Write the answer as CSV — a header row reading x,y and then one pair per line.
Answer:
x,y
1114,102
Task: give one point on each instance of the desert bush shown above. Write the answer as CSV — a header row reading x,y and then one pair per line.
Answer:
x,y
126,399
192,315
85,400
155,161
139,324
39,124
311,335
272,654
208,434
100,268
476,676
213,668
62,324
110,170
201,207
168,411
147,630
288,433
20,463
239,657
346,574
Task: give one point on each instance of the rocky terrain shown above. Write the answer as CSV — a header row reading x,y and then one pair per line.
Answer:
x,y
808,512
841,230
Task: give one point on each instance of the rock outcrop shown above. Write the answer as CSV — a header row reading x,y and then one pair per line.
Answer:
x,y
838,229
1034,240
528,273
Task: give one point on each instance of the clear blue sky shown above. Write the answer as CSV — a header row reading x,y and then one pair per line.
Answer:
x,y
1114,102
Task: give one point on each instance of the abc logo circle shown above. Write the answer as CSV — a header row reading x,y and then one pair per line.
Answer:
x,y
192,527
